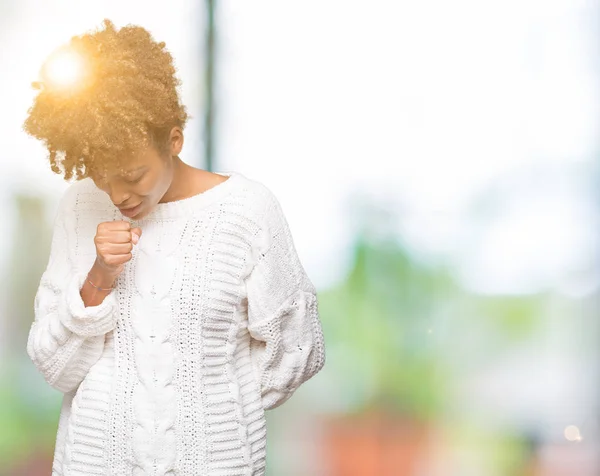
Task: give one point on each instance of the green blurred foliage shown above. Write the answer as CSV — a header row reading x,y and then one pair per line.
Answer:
x,y
29,408
29,412
392,324
381,317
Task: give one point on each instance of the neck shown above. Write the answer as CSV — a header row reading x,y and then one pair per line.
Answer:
x,y
181,182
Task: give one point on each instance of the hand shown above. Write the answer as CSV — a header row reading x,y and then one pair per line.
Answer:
x,y
114,242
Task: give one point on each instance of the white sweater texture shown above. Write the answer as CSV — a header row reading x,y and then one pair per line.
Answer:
x,y
213,321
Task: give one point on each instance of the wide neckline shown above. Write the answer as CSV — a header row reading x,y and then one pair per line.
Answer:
x,y
189,205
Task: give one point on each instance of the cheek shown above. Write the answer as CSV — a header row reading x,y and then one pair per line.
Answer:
x,y
153,190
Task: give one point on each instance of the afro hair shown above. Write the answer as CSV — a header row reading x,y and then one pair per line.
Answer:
x,y
126,99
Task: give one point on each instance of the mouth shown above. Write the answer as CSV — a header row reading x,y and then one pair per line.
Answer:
x,y
131,211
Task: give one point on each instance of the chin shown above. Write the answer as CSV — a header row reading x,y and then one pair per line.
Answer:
x,y
144,211
140,215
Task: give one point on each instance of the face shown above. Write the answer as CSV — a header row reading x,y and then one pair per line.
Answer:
x,y
142,184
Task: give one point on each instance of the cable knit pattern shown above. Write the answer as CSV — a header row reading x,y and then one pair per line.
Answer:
x,y
213,321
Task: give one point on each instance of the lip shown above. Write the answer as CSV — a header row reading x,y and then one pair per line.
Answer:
x,y
131,212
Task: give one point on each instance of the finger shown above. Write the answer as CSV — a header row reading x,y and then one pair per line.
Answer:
x,y
118,237
110,226
119,225
118,248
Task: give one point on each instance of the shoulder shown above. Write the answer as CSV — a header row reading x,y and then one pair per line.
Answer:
x,y
257,197
72,194
82,198
263,207
260,205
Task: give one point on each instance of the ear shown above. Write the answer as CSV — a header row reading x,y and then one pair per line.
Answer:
x,y
176,140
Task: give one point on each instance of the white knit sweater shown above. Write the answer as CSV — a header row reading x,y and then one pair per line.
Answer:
x,y
214,320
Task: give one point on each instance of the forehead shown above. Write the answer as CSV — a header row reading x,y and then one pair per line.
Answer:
x,y
134,164
124,171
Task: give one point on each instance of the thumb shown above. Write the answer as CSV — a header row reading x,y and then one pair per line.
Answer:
x,y
135,234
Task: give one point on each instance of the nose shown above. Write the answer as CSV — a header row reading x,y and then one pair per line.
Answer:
x,y
119,202
118,196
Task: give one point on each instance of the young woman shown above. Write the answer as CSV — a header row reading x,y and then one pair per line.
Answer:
x,y
174,309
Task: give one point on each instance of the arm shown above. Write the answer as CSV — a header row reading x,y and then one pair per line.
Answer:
x,y
287,345
67,337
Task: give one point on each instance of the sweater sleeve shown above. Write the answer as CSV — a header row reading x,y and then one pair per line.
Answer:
x,y
66,338
287,345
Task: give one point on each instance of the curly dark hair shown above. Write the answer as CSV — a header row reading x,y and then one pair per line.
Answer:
x,y
126,100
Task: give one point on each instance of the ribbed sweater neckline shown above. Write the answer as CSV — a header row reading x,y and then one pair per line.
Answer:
x,y
190,205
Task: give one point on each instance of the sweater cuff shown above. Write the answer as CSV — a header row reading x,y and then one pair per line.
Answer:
x,y
87,321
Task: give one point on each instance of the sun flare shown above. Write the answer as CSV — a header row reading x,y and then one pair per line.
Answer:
x,y
65,69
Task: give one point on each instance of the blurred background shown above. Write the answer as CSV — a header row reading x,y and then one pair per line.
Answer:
x,y
438,165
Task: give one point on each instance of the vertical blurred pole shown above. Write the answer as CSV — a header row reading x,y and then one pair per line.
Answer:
x,y
209,113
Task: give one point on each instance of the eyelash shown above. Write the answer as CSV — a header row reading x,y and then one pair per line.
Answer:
x,y
136,180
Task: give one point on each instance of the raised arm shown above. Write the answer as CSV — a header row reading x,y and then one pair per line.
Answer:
x,y
67,337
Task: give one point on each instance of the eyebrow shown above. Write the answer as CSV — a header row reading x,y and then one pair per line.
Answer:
x,y
135,170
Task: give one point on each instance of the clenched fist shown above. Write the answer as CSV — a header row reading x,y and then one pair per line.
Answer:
x,y
114,242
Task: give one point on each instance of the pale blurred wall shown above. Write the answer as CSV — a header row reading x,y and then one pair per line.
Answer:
x,y
426,106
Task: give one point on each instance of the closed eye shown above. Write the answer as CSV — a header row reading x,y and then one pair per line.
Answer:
x,y
136,180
